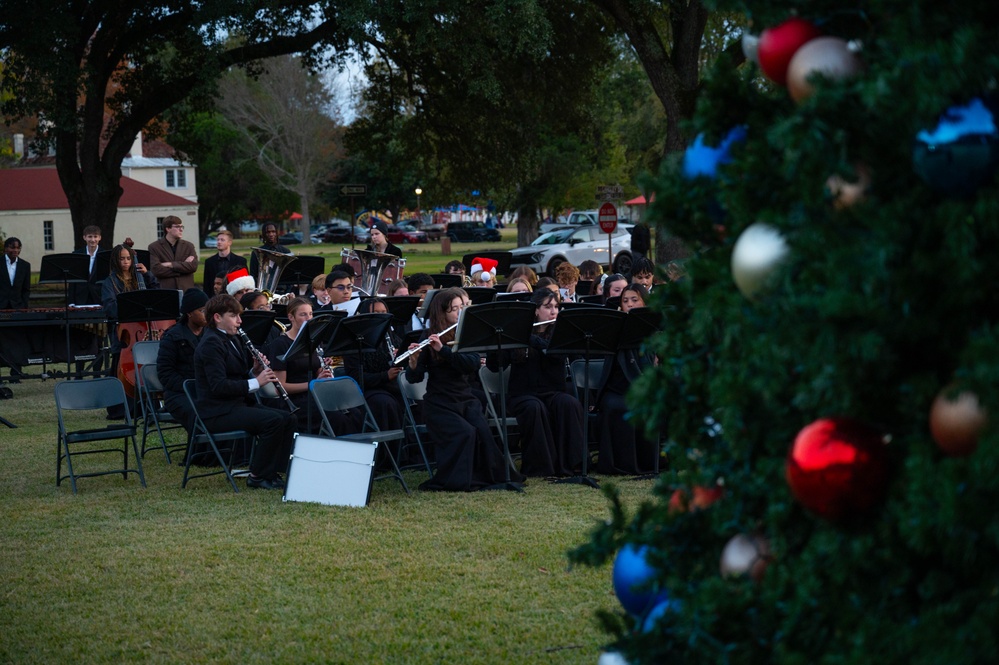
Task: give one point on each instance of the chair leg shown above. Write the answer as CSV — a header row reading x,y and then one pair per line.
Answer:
x,y
398,474
138,460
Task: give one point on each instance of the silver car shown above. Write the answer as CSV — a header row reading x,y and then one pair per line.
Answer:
x,y
576,245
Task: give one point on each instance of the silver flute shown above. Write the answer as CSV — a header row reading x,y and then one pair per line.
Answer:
x,y
259,357
421,345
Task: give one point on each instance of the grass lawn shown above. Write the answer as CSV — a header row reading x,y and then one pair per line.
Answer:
x,y
121,573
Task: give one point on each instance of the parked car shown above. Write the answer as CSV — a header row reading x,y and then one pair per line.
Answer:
x,y
212,241
432,231
576,219
293,238
472,232
400,234
337,232
575,245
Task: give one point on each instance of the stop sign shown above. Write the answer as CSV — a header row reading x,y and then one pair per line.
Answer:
x,y
607,218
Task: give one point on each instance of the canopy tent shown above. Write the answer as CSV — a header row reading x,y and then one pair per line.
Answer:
x,y
640,201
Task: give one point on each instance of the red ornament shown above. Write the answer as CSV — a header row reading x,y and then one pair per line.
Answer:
x,y
778,45
702,497
838,468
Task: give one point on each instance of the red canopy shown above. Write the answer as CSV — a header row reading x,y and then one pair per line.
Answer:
x,y
295,216
639,201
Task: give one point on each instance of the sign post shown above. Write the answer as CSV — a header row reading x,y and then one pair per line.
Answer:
x,y
607,218
352,191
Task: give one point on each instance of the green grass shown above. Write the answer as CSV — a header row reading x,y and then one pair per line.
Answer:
x,y
164,574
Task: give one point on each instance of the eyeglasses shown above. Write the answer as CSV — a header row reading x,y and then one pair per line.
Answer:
x,y
343,287
178,226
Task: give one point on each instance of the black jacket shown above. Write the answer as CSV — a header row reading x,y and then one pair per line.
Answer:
x,y
215,264
175,360
15,296
222,368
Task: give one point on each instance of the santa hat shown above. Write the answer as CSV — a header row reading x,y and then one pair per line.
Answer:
x,y
484,266
239,280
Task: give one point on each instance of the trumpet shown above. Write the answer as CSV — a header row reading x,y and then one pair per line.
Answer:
x,y
259,357
421,345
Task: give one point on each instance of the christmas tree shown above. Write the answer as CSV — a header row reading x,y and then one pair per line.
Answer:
x,y
830,357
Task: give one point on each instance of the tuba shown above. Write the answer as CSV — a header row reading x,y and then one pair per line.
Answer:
x,y
376,269
270,265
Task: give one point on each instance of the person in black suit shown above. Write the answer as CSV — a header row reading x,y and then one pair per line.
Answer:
x,y
222,370
221,262
89,292
15,280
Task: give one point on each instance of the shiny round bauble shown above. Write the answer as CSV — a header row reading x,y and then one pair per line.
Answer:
x,y
778,45
631,576
703,160
846,193
962,151
750,44
957,421
838,468
829,56
699,498
660,606
745,555
756,255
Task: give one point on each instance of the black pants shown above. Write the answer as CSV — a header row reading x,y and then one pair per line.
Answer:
x,y
275,432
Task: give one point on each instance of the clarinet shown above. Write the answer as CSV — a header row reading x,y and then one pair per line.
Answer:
x,y
259,357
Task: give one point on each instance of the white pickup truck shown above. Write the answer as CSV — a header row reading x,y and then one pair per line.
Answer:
x,y
576,219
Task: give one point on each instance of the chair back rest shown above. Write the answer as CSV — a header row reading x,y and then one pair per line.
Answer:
x,y
88,394
150,378
337,394
491,380
413,391
578,369
144,353
191,390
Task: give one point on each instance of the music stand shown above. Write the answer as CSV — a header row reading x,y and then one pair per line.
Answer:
x,y
595,300
447,281
587,331
583,287
141,256
148,305
303,270
424,310
613,302
401,308
497,326
361,333
66,268
479,295
309,338
516,296
257,324
565,306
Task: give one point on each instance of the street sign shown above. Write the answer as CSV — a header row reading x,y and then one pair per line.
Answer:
x,y
610,192
607,218
353,190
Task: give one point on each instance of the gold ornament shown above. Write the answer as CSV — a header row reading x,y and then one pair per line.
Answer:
x,y
746,555
846,193
829,56
757,253
957,423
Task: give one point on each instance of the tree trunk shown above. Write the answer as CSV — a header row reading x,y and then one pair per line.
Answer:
x,y
305,224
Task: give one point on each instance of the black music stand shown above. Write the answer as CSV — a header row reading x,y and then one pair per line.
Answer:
x,y
497,326
66,269
580,305
479,295
303,270
309,338
401,308
446,281
587,331
361,333
148,305
640,323
613,302
516,296
596,300
257,324
141,256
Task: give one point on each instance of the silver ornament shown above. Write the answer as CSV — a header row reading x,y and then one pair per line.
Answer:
x,y
757,253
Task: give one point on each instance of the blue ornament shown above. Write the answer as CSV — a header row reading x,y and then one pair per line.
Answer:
x,y
702,160
962,151
661,604
632,574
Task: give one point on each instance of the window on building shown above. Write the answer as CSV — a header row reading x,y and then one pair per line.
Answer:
x,y
159,227
176,178
48,235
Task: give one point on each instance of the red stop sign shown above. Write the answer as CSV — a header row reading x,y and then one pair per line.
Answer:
x,y
607,218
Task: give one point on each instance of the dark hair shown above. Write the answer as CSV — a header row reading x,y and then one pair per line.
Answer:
x,y
246,301
544,283
11,241
367,304
222,275
590,269
454,264
129,279
643,265
418,279
171,221
336,276
263,229
91,230
542,296
221,304
526,272
440,305
637,288
345,267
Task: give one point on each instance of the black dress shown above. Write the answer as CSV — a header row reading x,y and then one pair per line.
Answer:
x,y
297,371
468,457
381,393
550,419
623,449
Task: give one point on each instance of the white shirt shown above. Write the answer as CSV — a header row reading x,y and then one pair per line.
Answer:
x,y
11,268
93,257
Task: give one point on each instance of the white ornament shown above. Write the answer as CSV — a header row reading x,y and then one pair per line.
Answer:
x,y
757,253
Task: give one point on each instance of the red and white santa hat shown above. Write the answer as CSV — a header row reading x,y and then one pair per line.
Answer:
x,y
238,280
485,267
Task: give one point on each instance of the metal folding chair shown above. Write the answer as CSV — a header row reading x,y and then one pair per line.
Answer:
x,y
93,395
154,414
343,394
201,435
490,381
577,368
412,393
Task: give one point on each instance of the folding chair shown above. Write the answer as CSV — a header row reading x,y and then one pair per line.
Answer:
x,y
411,394
491,386
154,414
577,368
93,395
342,394
201,435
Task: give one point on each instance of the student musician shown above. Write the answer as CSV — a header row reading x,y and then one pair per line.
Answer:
x,y
223,261
296,372
567,275
175,359
320,297
643,272
222,366
550,419
468,457
15,280
375,372
379,240
624,449
268,241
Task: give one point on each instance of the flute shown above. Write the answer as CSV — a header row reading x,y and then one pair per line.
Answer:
x,y
421,345
263,361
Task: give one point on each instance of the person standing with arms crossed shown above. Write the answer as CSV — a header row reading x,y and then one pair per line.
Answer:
x,y
174,260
